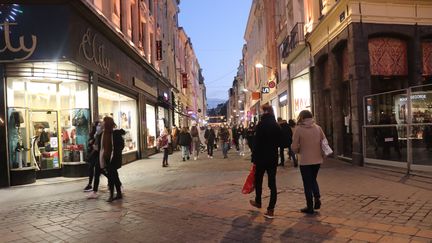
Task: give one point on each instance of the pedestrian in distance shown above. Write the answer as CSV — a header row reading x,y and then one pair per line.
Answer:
x,y
110,155
307,142
93,160
210,136
291,154
265,157
194,132
184,140
241,134
250,136
163,143
225,140
235,137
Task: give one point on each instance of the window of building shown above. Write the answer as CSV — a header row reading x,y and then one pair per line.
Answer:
x,y
123,110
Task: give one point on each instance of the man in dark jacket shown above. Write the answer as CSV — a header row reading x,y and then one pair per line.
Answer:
x,y
210,136
265,157
286,139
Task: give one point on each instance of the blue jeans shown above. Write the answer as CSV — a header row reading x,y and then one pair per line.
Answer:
x,y
185,151
225,148
311,189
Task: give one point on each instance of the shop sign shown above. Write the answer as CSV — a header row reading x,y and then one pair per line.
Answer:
x,y
94,52
147,88
301,95
414,97
159,50
256,95
272,84
20,51
265,90
184,80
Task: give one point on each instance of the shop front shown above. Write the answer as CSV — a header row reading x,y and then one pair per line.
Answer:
x,y
283,105
58,78
398,128
300,95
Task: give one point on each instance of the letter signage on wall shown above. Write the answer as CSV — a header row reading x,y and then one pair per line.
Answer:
x,y
15,50
94,52
159,50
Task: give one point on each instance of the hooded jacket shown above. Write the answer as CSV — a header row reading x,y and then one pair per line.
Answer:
x,y
267,141
307,142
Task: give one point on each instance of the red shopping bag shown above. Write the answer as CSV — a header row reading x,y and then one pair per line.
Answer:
x,y
249,184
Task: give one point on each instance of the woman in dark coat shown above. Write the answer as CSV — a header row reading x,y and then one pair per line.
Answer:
x,y
210,137
92,157
184,139
112,144
250,136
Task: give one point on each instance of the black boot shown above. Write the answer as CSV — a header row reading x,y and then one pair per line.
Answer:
x,y
317,203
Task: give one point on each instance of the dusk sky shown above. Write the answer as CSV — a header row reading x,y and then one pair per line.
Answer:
x,y
216,29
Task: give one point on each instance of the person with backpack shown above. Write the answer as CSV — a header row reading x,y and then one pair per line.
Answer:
x,y
163,143
195,141
110,155
184,139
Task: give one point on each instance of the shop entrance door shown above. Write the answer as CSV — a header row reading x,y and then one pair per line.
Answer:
x,y
397,128
44,139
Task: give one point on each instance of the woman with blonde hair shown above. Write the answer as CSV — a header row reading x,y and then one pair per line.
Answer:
x,y
307,143
163,143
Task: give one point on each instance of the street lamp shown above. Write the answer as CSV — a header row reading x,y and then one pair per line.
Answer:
x,y
260,65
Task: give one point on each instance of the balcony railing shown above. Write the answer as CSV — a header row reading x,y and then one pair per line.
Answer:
x,y
294,39
297,35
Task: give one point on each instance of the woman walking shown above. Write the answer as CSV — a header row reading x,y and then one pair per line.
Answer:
x,y
209,137
163,143
225,140
184,140
195,141
291,154
112,145
307,142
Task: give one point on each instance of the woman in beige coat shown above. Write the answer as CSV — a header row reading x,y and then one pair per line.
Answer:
x,y
307,143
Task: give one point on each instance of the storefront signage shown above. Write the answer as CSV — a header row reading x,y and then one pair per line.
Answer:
x,y
300,94
94,52
265,90
283,98
147,88
272,84
22,50
414,97
184,80
159,50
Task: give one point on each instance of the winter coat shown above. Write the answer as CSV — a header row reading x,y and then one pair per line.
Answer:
x,y
307,142
210,136
184,139
267,141
118,146
286,135
241,132
224,135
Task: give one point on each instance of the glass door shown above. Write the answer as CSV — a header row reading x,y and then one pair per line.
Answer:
x,y
44,139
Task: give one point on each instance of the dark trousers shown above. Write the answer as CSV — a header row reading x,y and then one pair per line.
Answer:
x,y
311,189
292,155
165,157
281,155
259,175
97,173
113,180
210,148
92,163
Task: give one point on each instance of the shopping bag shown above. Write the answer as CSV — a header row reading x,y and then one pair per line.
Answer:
x,y
326,147
249,184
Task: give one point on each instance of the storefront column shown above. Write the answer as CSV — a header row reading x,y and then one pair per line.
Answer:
x,y
336,103
4,165
142,126
94,81
360,86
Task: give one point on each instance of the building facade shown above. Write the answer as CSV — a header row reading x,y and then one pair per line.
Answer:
x,y
90,60
371,81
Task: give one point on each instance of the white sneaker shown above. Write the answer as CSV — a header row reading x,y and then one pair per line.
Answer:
x,y
211,157
195,158
208,156
92,195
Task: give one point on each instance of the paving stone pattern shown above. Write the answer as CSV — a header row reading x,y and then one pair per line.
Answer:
x,y
207,206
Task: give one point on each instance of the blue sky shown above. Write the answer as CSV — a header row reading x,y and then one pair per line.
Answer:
x,y
216,28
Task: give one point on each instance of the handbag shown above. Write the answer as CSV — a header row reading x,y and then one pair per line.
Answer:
x,y
249,185
325,147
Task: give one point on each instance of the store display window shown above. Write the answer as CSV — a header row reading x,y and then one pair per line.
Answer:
x,y
151,126
123,110
48,114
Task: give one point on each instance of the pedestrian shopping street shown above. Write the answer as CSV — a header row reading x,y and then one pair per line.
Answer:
x,y
201,201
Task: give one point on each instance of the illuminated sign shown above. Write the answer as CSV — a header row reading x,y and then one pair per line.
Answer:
x,y
265,90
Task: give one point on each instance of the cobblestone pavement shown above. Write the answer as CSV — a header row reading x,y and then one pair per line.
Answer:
x,y
200,201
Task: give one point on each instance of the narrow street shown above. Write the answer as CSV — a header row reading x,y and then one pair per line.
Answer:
x,y
201,201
